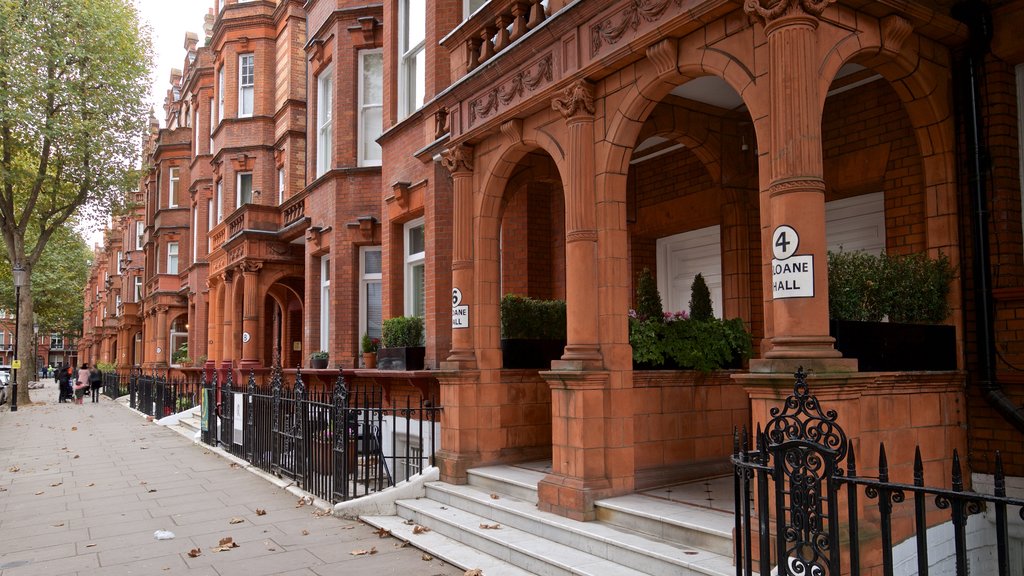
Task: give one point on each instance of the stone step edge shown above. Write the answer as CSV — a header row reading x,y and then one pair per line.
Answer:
x,y
448,549
725,531
494,473
633,541
520,541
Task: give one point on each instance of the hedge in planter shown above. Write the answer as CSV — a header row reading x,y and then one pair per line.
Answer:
x,y
532,331
401,345
910,292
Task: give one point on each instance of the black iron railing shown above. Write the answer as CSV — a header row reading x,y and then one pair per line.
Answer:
x,y
337,444
791,490
155,394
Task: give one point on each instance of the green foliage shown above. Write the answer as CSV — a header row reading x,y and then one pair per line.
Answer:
x,y
523,317
107,367
402,332
688,344
180,356
910,289
700,300
369,344
57,283
648,301
319,355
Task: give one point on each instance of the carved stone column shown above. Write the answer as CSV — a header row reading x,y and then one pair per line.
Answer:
x,y
793,203
228,307
250,313
161,337
582,350
459,161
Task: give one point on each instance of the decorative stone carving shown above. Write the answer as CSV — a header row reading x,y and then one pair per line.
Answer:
x,y
513,130
767,11
250,266
530,78
664,55
576,100
458,159
610,32
895,30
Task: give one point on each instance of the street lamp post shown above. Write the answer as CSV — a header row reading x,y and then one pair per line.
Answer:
x,y
20,279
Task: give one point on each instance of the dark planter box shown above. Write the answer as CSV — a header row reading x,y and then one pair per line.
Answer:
x,y
530,353
410,358
318,363
893,347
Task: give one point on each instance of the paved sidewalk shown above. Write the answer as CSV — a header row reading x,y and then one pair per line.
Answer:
x,y
83,489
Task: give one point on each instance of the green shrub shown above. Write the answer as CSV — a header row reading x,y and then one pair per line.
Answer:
x,y
525,318
319,355
700,300
369,344
648,300
689,344
911,289
402,332
106,367
180,356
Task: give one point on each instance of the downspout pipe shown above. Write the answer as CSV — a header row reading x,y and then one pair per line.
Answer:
x,y
976,15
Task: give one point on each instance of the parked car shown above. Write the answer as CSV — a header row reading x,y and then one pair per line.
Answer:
x,y
5,385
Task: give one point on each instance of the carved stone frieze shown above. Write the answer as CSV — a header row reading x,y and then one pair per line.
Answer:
x,y
458,159
527,79
895,30
768,11
613,28
575,100
250,266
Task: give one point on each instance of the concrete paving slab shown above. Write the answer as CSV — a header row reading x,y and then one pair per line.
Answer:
x,y
83,488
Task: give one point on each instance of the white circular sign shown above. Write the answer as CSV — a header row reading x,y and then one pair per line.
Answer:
x,y
785,241
456,296
245,337
159,349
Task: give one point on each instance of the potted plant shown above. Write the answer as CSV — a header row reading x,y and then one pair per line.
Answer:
x,y
401,345
532,331
886,311
370,346
318,359
678,340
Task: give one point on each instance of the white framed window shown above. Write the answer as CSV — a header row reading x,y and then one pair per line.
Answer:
x,y
209,222
470,6
415,268
117,305
211,126
411,65
280,185
172,187
325,302
138,289
371,303
140,230
172,258
246,84
371,106
324,120
120,266
220,201
220,98
178,337
243,190
57,341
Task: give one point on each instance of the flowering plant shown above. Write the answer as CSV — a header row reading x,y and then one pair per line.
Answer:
x,y
370,344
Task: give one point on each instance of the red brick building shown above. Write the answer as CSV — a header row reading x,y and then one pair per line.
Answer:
x,y
333,164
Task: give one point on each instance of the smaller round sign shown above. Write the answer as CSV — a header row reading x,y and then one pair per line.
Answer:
x,y
785,242
456,296
245,337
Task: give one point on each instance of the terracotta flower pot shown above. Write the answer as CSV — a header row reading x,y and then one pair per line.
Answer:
x,y
369,360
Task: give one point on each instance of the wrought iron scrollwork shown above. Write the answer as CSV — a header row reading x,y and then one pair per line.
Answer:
x,y
802,419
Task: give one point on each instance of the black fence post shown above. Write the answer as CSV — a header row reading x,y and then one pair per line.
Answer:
x,y
339,401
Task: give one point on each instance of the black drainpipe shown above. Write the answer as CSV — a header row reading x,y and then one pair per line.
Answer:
x,y
978,19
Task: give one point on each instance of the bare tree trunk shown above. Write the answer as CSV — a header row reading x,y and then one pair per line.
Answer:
x,y
26,350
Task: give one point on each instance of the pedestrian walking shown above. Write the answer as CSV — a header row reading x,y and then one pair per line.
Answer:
x,y
95,382
82,384
65,378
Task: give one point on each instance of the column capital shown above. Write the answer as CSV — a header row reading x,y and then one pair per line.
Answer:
x,y
770,11
250,266
576,100
458,158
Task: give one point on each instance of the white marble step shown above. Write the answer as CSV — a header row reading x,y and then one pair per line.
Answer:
x,y
509,480
652,555
530,552
445,548
672,521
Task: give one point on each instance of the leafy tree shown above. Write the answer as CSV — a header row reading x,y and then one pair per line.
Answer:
x,y
73,82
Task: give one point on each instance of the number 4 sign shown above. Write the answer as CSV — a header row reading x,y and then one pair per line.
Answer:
x,y
785,242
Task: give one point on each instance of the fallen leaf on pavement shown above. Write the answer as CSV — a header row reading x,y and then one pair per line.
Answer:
x,y
236,520
151,490
194,552
235,465
261,512
426,557
55,484
74,428
474,572
371,551
38,493
226,543
409,522
89,545
90,484
417,529
76,457
13,469
305,532
383,532
494,495
491,526
58,525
